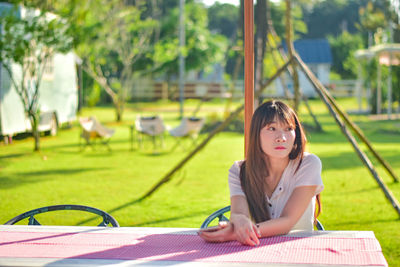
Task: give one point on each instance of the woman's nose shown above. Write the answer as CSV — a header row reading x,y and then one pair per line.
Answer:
x,y
280,137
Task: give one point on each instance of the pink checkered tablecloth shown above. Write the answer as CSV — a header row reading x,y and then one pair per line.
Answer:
x,y
148,246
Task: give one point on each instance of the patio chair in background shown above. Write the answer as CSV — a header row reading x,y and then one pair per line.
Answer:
x,y
150,126
93,130
188,128
107,218
220,214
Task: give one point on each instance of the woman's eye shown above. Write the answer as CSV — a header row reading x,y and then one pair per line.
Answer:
x,y
271,128
289,129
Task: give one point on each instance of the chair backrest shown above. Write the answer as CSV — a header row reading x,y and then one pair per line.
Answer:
x,y
87,124
195,125
216,214
150,125
107,218
188,126
101,130
221,217
93,128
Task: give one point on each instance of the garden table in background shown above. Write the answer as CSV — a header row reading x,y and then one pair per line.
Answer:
x,y
135,246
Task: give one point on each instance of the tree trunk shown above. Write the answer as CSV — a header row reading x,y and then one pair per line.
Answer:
x,y
102,81
118,114
271,42
119,110
35,131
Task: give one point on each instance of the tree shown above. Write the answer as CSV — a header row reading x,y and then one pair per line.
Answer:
x,y
277,11
331,17
343,48
29,43
372,20
201,46
223,19
118,38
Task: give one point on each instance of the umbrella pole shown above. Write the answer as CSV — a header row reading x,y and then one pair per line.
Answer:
x,y
248,69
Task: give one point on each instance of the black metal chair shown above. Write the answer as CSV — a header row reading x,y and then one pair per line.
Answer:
x,y
107,218
221,217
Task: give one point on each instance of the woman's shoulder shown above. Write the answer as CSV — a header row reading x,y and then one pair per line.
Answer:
x,y
235,168
237,164
310,157
310,160
309,172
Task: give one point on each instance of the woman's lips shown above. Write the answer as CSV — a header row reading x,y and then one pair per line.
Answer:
x,y
280,147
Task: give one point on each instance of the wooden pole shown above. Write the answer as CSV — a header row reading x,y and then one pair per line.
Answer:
x,y
357,130
248,69
322,92
181,56
379,89
359,86
290,47
389,92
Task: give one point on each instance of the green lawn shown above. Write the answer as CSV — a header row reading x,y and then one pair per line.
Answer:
x,y
113,181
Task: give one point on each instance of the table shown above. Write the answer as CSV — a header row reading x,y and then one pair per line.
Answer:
x,y
139,246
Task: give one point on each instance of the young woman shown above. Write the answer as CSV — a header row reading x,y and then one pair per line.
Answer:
x,y
275,189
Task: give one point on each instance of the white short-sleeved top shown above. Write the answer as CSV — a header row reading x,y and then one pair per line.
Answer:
x,y
309,173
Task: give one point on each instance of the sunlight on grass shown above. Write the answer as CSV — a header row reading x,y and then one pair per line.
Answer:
x,y
113,181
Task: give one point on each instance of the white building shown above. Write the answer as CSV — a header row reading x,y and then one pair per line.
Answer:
x,y
316,53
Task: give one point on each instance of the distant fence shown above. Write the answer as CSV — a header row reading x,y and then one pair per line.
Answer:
x,y
342,88
153,90
162,90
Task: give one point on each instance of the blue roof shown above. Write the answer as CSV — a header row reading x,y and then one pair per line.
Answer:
x,y
313,50
6,8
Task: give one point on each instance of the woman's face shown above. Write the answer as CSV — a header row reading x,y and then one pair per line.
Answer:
x,y
277,139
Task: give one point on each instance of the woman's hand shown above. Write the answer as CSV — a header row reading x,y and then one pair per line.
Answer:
x,y
245,230
221,233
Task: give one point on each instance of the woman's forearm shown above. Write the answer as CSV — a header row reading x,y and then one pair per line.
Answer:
x,y
278,226
292,212
237,216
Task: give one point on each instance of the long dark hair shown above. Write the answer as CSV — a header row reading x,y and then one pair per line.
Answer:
x,y
254,170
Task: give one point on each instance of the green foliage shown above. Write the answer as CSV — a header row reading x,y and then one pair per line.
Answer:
x,y
396,83
94,95
223,19
370,70
278,18
371,18
37,35
343,48
202,48
334,76
299,27
331,17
